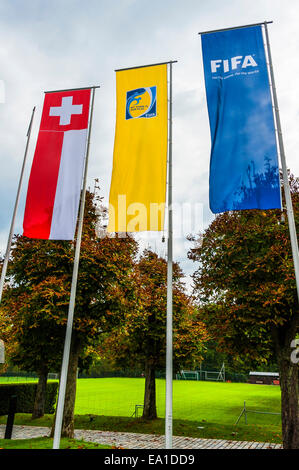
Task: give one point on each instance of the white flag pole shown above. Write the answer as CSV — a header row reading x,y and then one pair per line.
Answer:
x,y
287,191
68,336
169,335
11,232
169,346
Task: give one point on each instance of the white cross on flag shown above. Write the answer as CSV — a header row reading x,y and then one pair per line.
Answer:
x,y
56,175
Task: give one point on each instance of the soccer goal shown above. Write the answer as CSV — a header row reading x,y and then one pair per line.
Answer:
x,y
52,376
210,375
188,375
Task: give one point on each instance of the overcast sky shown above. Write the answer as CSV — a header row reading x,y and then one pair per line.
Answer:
x,y
58,44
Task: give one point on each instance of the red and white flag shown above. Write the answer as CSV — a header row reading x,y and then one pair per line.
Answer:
x,y
56,175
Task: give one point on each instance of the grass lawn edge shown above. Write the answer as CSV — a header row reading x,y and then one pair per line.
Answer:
x,y
184,428
47,443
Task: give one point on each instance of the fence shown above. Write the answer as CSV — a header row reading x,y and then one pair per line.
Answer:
x,y
21,376
192,400
210,374
245,411
94,374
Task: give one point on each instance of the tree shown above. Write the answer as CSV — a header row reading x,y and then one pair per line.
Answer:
x,y
38,339
41,272
140,339
6,335
246,292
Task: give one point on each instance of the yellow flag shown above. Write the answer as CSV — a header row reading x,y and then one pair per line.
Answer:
x,y
138,184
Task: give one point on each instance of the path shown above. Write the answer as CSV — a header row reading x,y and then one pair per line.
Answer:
x,y
140,441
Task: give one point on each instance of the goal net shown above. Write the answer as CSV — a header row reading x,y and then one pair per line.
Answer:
x,y
208,375
188,375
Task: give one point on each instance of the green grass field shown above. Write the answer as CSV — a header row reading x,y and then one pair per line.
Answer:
x,y
215,402
200,409
10,380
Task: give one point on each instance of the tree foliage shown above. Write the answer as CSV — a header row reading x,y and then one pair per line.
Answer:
x,y
246,292
37,298
140,339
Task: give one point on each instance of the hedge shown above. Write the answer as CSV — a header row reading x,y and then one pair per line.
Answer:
x,y
25,393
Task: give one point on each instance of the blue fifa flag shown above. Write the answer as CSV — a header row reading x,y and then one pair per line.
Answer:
x,y
244,170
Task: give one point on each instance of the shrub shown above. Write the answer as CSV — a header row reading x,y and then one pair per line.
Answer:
x,y
25,393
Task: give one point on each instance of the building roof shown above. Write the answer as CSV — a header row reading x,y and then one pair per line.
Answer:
x,y
274,374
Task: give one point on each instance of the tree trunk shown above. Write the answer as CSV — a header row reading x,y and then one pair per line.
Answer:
x,y
149,408
289,406
70,393
40,397
289,400
288,372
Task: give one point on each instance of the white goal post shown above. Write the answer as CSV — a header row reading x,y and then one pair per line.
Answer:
x,y
208,375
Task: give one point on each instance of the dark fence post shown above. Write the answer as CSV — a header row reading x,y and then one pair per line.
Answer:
x,y
11,416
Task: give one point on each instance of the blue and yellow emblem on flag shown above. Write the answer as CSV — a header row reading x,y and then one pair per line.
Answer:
x,y
141,103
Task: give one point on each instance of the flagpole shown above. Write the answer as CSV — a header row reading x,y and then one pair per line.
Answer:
x,y
234,27
169,335
68,336
147,65
287,191
11,232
